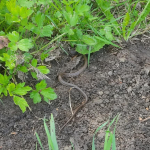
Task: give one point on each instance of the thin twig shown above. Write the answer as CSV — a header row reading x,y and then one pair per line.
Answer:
x,y
70,101
143,120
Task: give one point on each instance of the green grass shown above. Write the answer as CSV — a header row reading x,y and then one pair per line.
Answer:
x,y
31,27
110,142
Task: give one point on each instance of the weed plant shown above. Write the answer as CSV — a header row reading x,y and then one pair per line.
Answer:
x,y
86,25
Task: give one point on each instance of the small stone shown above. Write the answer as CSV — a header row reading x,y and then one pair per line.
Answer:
x,y
122,59
97,100
147,100
110,73
67,147
129,89
146,85
107,92
147,69
100,93
106,100
143,97
102,105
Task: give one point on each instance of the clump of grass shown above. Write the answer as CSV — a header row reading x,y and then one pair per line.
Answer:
x,y
52,142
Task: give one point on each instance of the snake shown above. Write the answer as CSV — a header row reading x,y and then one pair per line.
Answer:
x,y
60,78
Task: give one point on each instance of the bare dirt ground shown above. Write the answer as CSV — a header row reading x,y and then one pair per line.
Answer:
x,y
116,81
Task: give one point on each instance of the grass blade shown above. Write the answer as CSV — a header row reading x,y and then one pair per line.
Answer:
x,y
125,23
114,142
50,143
142,16
100,127
103,38
112,122
114,139
37,136
108,140
52,131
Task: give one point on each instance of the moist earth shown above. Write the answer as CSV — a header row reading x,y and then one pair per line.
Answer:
x,y
117,81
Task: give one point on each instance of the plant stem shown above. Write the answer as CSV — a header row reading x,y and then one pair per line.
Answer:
x,y
49,43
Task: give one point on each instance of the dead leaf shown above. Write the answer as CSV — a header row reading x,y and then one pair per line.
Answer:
x,y
3,42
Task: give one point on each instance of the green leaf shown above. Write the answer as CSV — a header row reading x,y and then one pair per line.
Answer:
x,y
43,56
11,19
46,99
46,31
20,90
125,23
39,19
30,26
25,12
108,140
99,45
21,29
5,91
34,62
11,88
88,40
34,75
24,22
52,132
25,3
58,14
49,93
71,19
67,29
38,138
27,57
12,46
44,2
21,102
25,44
41,85
82,49
23,69
4,79
50,142
80,9
20,85
35,96
108,33
13,37
2,33
43,69
1,89
79,33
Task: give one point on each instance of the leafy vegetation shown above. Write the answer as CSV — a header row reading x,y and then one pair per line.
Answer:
x,y
86,25
52,141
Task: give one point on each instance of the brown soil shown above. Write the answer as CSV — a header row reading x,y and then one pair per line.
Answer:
x,y
115,82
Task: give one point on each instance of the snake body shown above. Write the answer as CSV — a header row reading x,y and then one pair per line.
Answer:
x,y
74,86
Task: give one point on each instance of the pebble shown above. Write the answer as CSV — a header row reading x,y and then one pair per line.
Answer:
x,y
107,92
102,105
110,73
97,100
129,89
100,93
